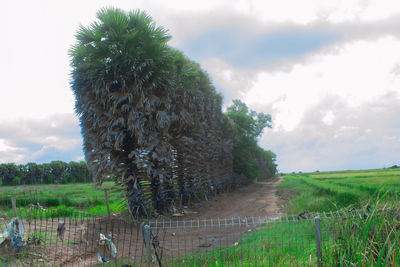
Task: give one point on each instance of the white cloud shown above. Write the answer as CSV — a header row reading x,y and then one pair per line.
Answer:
x,y
233,82
316,99
9,153
28,139
79,158
358,72
328,118
367,136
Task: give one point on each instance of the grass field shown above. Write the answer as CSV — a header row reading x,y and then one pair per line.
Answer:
x,y
370,240
329,191
84,197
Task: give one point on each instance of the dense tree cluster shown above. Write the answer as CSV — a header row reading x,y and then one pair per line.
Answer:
x,y
150,117
55,172
244,126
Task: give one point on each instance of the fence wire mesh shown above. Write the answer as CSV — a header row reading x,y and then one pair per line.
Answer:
x,y
55,237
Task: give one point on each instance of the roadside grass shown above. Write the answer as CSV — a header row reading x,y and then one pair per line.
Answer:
x,y
370,237
277,243
330,191
84,197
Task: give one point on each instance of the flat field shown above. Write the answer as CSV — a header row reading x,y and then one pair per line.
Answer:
x,y
85,197
330,191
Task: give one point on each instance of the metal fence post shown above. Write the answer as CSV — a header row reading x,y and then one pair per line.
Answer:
x,y
146,238
318,240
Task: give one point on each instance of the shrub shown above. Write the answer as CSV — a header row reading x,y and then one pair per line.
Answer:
x,y
16,180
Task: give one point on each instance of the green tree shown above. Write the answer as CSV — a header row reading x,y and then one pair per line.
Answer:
x,y
7,173
120,73
79,171
34,173
16,181
245,126
57,169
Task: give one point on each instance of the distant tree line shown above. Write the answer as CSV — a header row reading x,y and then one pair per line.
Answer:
x,y
55,172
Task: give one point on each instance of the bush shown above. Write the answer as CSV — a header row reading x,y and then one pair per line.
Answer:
x,y
50,202
16,180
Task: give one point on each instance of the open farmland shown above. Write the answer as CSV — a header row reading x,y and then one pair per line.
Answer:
x,y
85,197
245,241
330,191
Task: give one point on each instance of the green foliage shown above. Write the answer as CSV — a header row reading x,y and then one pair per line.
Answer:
x,y
121,48
369,240
245,126
16,180
47,173
331,191
7,173
83,197
66,178
188,75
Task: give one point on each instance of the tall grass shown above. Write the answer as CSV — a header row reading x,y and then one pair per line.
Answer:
x,y
370,237
330,191
82,197
366,231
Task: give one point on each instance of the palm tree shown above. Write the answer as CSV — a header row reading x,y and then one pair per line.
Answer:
x,y
150,117
120,72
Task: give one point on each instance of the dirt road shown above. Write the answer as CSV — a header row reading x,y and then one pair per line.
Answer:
x,y
258,199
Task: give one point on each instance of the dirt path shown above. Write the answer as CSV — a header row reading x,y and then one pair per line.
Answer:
x,y
258,199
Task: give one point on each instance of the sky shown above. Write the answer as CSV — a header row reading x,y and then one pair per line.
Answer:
x,y
327,71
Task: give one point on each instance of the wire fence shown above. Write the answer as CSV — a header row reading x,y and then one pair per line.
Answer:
x,y
54,237
246,241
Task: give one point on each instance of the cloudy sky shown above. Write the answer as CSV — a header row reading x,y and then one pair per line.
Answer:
x,y
327,71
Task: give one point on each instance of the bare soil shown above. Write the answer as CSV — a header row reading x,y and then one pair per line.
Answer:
x,y
257,199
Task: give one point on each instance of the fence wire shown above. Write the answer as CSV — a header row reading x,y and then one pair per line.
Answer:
x,y
54,237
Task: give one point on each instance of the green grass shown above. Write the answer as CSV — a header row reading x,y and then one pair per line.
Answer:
x,y
330,191
369,240
372,239
275,244
84,197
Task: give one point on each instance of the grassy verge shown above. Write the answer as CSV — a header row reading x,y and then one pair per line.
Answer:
x,y
330,191
370,238
84,197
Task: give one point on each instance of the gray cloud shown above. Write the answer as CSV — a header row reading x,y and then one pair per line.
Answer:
x,y
363,137
41,139
192,28
231,81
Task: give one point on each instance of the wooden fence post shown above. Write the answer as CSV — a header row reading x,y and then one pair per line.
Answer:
x,y
14,207
146,237
318,240
108,204
110,221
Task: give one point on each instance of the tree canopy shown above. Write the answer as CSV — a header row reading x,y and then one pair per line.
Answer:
x,y
245,126
55,172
